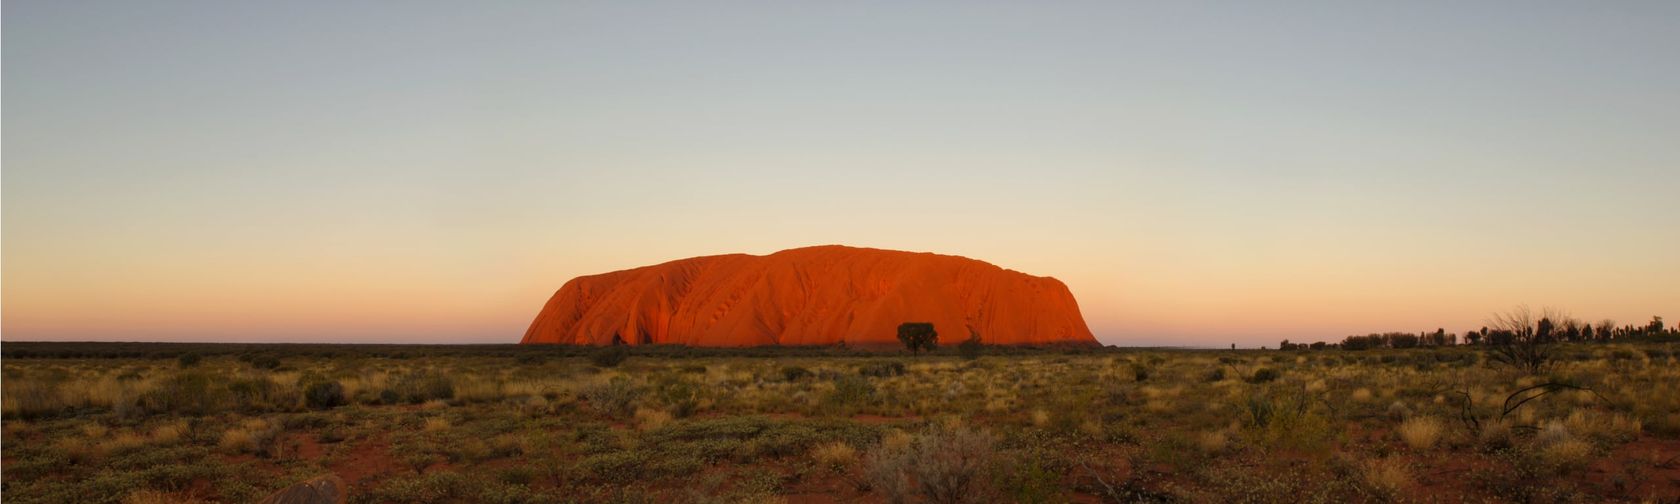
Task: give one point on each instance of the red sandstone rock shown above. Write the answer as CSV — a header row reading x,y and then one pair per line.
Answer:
x,y
810,296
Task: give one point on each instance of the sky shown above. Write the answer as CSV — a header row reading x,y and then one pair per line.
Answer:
x,y
1198,173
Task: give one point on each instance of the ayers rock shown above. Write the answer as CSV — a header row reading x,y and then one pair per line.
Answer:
x,y
811,296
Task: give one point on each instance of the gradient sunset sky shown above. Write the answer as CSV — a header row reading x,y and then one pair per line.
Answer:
x,y
1198,173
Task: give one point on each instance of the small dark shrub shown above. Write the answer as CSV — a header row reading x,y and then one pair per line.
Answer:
x,y
264,361
324,395
1216,374
795,373
882,369
1140,372
609,356
189,359
1264,375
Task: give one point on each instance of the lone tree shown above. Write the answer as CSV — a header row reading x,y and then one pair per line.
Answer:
x,y
918,336
972,347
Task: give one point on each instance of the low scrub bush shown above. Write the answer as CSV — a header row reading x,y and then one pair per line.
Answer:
x,y
850,391
189,393
615,397
420,386
1265,375
882,369
324,395
609,356
795,373
946,464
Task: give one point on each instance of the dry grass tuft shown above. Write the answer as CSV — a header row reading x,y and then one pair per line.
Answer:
x,y
156,497
237,441
1420,433
1040,418
836,455
169,433
436,424
1214,442
897,440
651,419
1387,478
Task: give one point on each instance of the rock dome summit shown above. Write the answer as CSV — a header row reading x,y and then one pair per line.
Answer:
x,y
821,295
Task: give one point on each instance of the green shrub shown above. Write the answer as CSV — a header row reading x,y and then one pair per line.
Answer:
x,y
255,394
851,391
945,465
681,396
324,395
1289,419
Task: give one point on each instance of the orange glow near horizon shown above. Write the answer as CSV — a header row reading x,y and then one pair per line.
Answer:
x,y
1197,174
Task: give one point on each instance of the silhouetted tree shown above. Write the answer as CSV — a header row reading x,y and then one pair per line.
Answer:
x,y
971,348
1520,341
918,336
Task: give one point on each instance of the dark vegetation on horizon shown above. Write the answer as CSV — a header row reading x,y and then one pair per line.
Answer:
x,y
1517,327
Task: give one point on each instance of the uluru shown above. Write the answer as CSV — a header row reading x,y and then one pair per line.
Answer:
x,y
822,295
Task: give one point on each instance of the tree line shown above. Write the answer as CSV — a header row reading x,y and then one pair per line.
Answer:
x,y
1518,326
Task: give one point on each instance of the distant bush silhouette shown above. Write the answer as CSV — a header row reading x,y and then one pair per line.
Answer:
x,y
609,356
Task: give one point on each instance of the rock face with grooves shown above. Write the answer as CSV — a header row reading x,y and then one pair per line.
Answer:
x,y
810,296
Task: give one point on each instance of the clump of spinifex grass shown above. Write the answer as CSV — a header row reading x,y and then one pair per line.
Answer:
x,y
1420,433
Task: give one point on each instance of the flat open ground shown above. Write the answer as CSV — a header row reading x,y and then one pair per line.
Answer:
x,y
138,423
